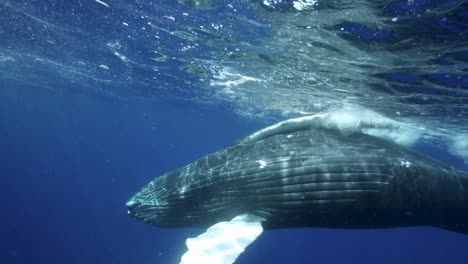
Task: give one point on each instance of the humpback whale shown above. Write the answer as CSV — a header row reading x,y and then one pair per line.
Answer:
x,y
295,174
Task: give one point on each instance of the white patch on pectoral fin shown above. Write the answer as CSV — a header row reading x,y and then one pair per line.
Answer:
x,y
223,242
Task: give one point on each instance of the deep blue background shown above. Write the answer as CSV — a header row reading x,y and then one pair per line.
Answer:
x,y
70,161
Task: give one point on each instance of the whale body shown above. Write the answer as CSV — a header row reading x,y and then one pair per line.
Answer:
x,y
305,176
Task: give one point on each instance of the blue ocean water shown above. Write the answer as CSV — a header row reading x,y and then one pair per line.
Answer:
x,y
99,97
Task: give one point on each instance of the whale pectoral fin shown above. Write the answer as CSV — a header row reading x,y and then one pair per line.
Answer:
x,y
223,242
287,126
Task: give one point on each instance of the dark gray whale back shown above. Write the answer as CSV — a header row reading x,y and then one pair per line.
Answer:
x,y
310,178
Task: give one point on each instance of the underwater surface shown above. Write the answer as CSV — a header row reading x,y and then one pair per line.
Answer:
x,y
98,97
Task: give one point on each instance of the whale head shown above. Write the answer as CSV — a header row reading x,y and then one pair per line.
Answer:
x,y
154,203
178,199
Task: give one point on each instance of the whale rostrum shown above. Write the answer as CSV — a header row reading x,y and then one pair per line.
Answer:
x,y
307,176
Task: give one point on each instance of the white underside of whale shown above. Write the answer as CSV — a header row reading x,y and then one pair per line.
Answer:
x,y
223,242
